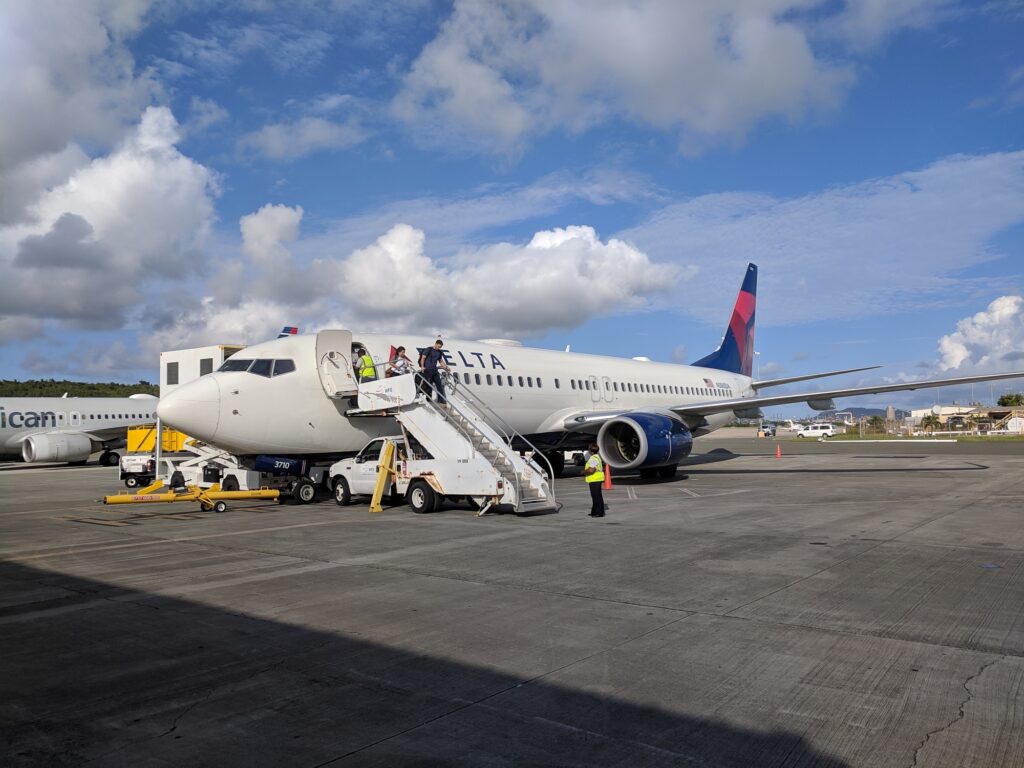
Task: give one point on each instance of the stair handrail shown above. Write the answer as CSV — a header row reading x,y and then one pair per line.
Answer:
x,y
508,431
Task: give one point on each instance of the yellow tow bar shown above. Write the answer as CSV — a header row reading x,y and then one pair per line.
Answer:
x,y
209,498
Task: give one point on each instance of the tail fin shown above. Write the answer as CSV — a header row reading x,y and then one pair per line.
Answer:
x,y
736,352
288,330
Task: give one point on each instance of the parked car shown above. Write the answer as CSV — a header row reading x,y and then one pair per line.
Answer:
x,y
817,430
768,430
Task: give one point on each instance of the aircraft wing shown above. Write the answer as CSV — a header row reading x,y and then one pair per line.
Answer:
x,y
591,421
793,379
761,401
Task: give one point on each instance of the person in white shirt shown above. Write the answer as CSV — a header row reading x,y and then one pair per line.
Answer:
x,y
399,365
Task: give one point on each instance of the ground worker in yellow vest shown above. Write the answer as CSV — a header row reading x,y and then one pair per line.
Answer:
x,y
367,370
593,472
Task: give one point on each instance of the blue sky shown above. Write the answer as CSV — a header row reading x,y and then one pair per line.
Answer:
x,y
593,174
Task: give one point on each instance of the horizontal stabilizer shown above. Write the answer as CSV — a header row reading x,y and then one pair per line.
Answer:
x,y
778,382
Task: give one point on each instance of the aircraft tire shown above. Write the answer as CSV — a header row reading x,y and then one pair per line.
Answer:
x,y
109,459
667,473
557,460
342,493
421,497
304,491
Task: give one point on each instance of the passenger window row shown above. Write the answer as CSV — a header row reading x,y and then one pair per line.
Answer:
x,y
588,385
656,389
101,416
265,368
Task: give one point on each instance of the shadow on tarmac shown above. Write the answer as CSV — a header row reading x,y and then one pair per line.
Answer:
x,y
124,677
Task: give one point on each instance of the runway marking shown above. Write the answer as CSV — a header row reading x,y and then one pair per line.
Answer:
x,y
688,492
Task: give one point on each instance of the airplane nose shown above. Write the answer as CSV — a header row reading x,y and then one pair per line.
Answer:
x,y
193,408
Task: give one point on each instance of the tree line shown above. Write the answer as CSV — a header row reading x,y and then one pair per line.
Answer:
x,y
57,388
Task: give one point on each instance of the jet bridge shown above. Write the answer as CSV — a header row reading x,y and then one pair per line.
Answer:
x,y
466,434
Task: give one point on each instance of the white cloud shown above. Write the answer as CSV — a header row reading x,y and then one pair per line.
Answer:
x,y
503,289
881,246
285,45
991,340
93,244
500,73
265,232
204,113
68,77
304,136
863,24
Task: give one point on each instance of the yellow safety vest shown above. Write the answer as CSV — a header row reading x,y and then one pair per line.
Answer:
x,y
368,371
595,477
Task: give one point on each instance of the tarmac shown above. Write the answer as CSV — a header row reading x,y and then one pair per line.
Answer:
x,y
849,604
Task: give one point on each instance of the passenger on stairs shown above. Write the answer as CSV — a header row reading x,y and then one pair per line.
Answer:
x,y
432,359
399,365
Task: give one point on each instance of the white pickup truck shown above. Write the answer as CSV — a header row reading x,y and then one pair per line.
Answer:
x,y
424,481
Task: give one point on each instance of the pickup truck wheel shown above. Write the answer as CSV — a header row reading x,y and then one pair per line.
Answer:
x,y
304,491
131,482
421,497
342,493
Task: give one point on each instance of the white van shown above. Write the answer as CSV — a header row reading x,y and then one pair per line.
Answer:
x,y
817,430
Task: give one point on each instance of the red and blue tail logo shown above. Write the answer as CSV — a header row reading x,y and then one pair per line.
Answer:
x,y
288,330
736,352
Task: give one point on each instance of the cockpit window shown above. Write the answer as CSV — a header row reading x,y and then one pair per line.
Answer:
x,y
282,367
235,364
262,367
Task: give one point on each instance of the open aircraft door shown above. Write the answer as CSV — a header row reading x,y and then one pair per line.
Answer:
x,y
334,363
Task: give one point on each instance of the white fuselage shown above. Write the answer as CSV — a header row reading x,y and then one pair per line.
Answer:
x,y
106,418
291,414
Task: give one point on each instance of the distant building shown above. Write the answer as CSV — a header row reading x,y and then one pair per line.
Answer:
x,y
973,418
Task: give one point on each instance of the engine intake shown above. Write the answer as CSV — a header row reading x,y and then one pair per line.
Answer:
x,y
56,447
643,440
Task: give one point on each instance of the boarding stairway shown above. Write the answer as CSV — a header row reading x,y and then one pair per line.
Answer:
x,y
463,428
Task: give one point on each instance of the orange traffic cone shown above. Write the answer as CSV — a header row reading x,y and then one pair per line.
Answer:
x,y
607,478
778,451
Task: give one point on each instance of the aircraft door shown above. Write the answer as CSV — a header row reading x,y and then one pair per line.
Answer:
x,y
606,385
334,364
595,389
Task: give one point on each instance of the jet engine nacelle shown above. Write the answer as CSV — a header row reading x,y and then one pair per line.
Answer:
x,y
56,447
644,440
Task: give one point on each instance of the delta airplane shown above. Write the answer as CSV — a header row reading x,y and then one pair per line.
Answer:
x,y
290,396
70,428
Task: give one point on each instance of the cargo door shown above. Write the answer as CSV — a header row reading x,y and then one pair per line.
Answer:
x,y
334,363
